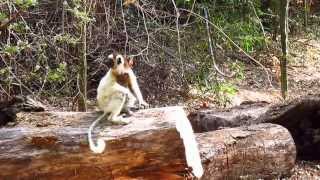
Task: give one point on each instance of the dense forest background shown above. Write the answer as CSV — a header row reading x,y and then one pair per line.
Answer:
x,y
55,50
230,59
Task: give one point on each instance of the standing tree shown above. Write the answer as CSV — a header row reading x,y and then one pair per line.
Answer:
x,y
284,6
306,12
81,11
82,105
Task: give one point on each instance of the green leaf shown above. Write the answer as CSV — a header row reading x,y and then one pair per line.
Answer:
x,y
3,16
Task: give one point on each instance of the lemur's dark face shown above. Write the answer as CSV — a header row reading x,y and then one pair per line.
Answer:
x,y
119,64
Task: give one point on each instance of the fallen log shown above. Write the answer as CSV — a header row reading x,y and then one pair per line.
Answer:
x,y
264,151
300,117
54,146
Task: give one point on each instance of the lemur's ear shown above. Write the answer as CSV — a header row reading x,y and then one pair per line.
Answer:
x,y
130,61
110,61
111,56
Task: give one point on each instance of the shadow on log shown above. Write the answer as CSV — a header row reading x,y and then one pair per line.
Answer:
x,y
9,108
300,117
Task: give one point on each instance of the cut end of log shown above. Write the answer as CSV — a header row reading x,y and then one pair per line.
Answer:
x,y
186,133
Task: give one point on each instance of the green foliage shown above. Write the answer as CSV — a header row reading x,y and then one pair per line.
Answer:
x,y
80,12
185,3
249,42
19,27
26,3
11,50
57,75
238,68
3,16
66,38
41,52
244,31
4,72
5,75
207,82
81,15
224,92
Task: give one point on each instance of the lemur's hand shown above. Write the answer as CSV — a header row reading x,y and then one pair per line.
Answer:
x,y
143,105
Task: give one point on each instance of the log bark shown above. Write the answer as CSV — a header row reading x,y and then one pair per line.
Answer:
x,y
299,116
54,146
254,152
214,119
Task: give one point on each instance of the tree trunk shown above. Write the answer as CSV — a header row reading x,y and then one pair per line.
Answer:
x,y
82,81
284,7
306,13
264,151
54,146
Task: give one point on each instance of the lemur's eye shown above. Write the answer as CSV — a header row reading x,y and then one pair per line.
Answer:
x,y
119,60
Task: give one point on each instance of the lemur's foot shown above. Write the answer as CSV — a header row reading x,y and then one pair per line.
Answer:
x,y
128,113
118,121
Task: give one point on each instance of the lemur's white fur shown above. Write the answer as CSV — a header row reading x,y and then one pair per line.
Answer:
x,y
112,96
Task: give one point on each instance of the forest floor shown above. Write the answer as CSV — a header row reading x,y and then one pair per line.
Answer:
x,y
303,75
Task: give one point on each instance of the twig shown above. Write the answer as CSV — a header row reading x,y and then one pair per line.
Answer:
x,y
79,89
4,91
193,5
260,23
205,9
178,33
107,18
146,29
125,29
14,76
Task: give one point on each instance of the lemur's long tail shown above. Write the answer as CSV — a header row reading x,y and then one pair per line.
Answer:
x,y
101,145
